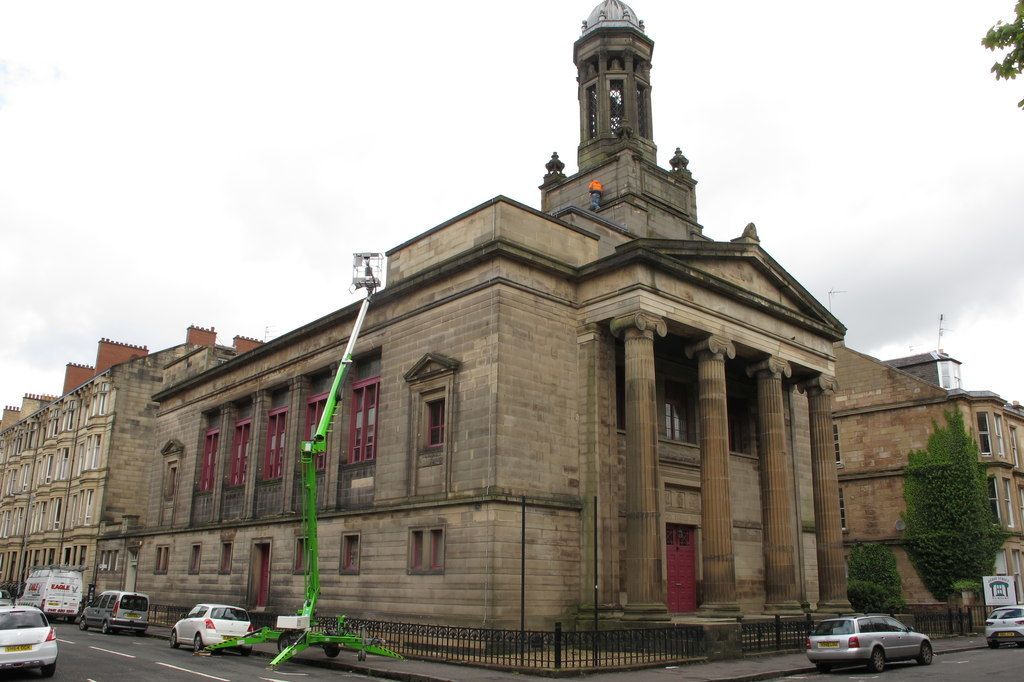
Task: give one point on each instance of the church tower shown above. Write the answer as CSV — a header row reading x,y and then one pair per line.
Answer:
x,y
613,65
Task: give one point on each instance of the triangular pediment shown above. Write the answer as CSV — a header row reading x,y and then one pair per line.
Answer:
x,y
743,270
172,447
431,365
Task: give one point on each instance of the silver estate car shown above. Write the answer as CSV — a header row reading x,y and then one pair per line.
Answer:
x,y
865,640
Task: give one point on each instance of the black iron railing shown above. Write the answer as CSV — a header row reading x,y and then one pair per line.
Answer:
x,y
778,634
530,649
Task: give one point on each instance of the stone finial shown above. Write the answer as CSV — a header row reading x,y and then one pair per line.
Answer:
x,y
749,235
678,162
554,167
584,27
642,25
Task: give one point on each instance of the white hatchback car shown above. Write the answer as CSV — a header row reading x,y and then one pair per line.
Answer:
x,y
1005,625
27,640
208,624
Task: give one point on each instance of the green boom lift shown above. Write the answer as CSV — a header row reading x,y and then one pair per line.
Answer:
x,y
293,633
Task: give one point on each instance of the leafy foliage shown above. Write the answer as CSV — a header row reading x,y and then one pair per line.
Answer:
x,y
874,583
1009,37
951,533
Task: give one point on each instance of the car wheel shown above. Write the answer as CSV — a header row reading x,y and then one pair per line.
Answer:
x,y
287,638
140,633
926,655
993,644
876,663
823,667
197,643
1020,645
332,650
172,641
82,625
245,650
48,670
106,629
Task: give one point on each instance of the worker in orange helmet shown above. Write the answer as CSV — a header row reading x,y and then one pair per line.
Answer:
x,y
596,192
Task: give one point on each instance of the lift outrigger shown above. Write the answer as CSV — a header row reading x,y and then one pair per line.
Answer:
x,y
294,633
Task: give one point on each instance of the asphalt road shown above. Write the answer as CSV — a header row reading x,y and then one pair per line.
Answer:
x,y
1005,663
94,657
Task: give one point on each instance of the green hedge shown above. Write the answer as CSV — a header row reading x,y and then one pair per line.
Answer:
x,y
874,584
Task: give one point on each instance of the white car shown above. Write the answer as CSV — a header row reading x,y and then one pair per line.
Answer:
x,y
208,624
1005,625
27,640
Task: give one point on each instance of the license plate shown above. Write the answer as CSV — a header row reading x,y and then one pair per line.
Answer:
x,y
20,647
131,615
828,645
53,603
1007,634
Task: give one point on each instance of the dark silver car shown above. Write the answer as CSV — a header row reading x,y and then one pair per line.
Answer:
x,y
866,640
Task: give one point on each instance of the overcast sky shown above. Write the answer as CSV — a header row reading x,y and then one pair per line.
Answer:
x,y
215,163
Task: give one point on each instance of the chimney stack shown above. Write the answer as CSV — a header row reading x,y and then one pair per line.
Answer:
x,y
112,353
11,415
76,375
198,336
243,344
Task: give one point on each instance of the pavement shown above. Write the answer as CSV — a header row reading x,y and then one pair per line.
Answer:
x,y
762,667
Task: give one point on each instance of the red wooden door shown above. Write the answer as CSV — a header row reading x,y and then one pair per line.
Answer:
x,y
682,568
263,575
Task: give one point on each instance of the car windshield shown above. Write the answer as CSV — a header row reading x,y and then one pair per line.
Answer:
x,y
834,627
134,602
229,613
15,620
1006,613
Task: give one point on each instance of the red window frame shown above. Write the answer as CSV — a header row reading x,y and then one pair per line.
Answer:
x,y
436,549
314,411
240,451
362,434
417,551
273,457
206,471
435,423
350,554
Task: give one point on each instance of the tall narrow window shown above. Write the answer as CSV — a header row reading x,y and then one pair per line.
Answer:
x,y
592,112
678,416
999,434
170,480
64,464
643,126
350,554
1008,502
274,455
842,510
1014,451
740,436
58,508
835,444
94,452
299,564
162,559
426,550
87,511
616,105
225,557
240,452
195,558
102,399
314,411
206,470
416,551
362,435
435,425
983,435
993,499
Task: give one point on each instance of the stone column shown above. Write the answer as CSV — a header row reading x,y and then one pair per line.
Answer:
x,y
718,562
645,585
828,532
780,584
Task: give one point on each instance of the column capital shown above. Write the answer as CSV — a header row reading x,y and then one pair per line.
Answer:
x,y
715,345
818,385
772,365
640,321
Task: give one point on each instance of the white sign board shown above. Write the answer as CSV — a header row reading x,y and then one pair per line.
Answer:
x,y
1000,590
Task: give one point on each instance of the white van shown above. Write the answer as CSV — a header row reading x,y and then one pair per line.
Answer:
x,y
54,590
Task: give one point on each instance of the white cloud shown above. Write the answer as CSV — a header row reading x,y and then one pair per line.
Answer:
x,y
215,163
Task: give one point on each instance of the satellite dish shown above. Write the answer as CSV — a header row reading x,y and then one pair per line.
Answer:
x,y
901,525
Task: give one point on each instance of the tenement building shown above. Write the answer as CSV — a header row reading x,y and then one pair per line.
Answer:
x,y
885,410
72,466
658,402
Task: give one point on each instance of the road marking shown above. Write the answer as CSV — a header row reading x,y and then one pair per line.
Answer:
x,y
186,670
66,641
108,651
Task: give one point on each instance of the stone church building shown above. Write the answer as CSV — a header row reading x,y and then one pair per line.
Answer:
x,y
661,401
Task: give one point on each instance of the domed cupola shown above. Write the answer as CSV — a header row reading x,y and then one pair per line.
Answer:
x,y
613,59
612,13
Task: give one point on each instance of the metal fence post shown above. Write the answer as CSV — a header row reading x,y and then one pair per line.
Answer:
x,y
558,645
949,619
778,632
